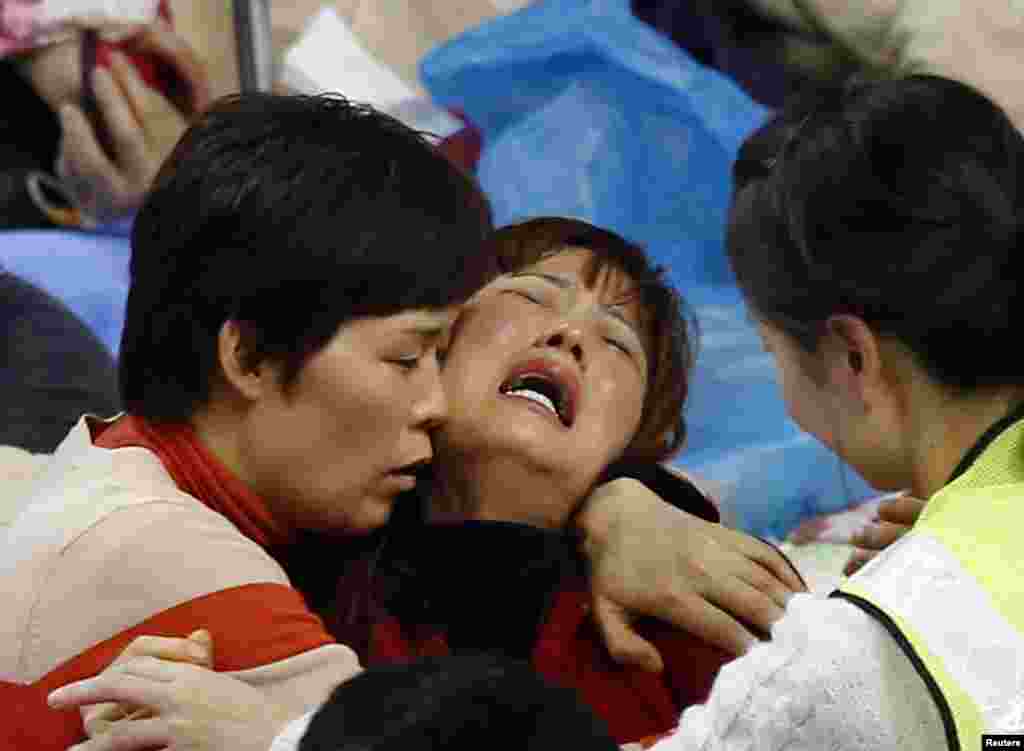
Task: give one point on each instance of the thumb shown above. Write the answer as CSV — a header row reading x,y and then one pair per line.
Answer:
x,y
857,560
204,642
624,644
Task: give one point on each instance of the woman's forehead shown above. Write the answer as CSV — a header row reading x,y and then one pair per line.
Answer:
x,y
585,269
580,268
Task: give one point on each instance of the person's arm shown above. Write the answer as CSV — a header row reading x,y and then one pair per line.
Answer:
x,y
832,677
166,568
650,558
184,707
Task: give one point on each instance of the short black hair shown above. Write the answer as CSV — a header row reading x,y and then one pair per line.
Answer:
x,y
291,215
900,202
451,703
670,326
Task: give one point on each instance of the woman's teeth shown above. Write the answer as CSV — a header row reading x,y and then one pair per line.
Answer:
x,y
535,397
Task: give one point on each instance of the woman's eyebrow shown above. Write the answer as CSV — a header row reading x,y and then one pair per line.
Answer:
x,y
428,327
429,333
614,312
559,281
565,283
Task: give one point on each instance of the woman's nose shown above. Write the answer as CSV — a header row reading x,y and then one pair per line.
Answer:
x,y
567,336
431,409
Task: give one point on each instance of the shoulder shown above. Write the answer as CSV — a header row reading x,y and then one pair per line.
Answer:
x,y
831,677
111,530
85,497
18,469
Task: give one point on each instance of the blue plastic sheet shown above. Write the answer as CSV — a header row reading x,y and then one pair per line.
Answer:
x,y
587,112
87,271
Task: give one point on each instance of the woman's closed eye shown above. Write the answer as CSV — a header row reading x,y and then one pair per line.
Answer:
x,y
527,295
620,345
407,363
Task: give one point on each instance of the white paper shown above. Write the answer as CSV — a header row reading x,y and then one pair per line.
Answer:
x,y
329,58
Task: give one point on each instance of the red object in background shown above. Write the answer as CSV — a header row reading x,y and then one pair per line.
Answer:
x,y
154,72
96,52
464,146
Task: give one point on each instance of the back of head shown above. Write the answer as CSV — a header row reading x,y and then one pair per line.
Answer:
x,y
470,702
900,202
670,327
291,215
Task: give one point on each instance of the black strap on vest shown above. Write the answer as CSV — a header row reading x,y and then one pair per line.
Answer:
x,y
997,428
948,723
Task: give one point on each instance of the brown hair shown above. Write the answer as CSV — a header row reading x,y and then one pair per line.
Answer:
x,y
666,319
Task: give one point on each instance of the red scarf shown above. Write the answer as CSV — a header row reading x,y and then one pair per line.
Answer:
x,y
196,471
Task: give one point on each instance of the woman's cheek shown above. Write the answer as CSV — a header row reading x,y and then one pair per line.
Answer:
x,y
498,327
620,402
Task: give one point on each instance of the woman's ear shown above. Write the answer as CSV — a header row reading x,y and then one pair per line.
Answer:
x,y
854,359
243,373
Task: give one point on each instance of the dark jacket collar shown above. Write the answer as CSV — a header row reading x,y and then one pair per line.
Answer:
x,y
486,584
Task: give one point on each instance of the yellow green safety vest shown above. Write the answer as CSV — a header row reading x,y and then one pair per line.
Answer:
x,y
951,591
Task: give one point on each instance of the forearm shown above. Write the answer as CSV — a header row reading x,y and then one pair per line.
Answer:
x,y
831,677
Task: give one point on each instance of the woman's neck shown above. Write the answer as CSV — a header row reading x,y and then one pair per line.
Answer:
x,y
218,432
952,425
495,489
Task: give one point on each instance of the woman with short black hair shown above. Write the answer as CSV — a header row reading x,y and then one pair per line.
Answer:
x,y
877,238
295,272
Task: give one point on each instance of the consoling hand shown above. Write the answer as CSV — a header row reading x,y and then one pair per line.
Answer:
x,y
173,704
649,558
197,649
895,518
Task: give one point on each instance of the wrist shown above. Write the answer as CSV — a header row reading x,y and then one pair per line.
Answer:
x,y
605,508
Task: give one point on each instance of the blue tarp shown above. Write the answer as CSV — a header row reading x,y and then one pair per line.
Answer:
x,y
87,271
587,112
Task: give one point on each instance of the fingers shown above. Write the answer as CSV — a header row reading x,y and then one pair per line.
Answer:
x,y
624,644
903,510
122,112
202,644
771,595
746,606
197,649
146,103
708,619
770,573
785,578
857,560
83,159
110,687
172,49
97,718
878,535
130,736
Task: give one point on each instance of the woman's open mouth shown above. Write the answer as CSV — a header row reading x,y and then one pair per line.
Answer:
x,y
545,384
